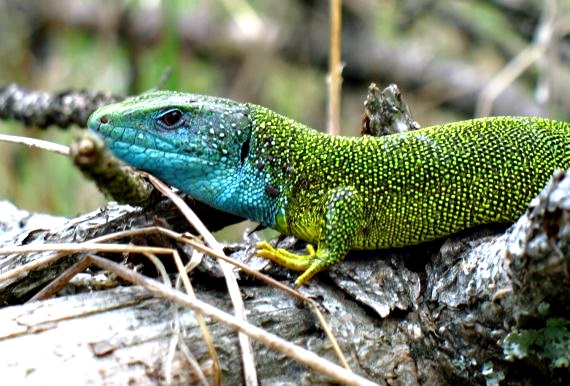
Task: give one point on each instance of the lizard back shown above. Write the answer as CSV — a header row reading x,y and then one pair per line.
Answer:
x,y
415,186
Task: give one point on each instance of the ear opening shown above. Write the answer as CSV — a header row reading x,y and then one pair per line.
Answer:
x,y
244,150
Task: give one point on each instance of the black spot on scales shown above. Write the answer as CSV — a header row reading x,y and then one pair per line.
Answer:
x,y
244,150
271,191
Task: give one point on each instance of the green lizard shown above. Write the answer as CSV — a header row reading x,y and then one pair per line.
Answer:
x,y
339,193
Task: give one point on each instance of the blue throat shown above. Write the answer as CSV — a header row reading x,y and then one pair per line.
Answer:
x,y
236,190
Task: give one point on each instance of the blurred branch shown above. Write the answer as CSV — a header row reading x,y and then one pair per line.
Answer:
x,y
503,79
42,109
113,178
540,52
456,82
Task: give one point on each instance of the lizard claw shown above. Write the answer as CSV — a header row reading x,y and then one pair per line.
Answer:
x,y
308,263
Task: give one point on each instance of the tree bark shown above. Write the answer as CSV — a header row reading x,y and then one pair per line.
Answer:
x,y
437,313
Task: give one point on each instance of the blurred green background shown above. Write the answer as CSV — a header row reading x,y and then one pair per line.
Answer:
x,y
442,54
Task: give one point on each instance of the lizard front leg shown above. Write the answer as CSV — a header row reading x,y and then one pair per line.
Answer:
x,y
341,222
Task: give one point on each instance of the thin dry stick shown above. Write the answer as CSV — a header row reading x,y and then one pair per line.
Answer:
x,y
62,279
159,266
310,359
548,57
199,317
183,239
177,341
55,257
335,68
503,78
199,246
167,363
231,281
22,269
272,341
248,358
537,51
274,283
37,143
192,360
183,275
66,248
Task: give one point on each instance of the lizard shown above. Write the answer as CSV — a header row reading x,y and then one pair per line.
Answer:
x,y
335,192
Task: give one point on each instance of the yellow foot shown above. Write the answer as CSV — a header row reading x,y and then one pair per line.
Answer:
x,y
310,264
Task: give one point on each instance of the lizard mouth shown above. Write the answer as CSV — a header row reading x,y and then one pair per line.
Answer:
x,y
116,135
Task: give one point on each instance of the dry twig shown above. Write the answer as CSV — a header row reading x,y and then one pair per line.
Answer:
x,y
335,68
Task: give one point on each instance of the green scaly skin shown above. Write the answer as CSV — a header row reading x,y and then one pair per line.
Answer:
x,y
338,193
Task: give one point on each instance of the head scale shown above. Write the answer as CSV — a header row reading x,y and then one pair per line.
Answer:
x,y
193,142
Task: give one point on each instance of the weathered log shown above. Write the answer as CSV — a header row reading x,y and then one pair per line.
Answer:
x,y
437,313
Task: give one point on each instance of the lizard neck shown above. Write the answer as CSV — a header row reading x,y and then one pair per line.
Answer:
x,y
245,194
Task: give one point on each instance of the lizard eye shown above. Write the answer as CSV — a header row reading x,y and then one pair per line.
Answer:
x,y
171,118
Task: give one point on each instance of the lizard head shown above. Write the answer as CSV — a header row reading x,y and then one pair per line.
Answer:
x,y
193,142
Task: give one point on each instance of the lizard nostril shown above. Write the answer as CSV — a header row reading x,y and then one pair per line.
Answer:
x,y
104,119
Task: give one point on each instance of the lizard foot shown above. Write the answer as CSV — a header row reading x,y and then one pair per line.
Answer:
x,y
310,264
